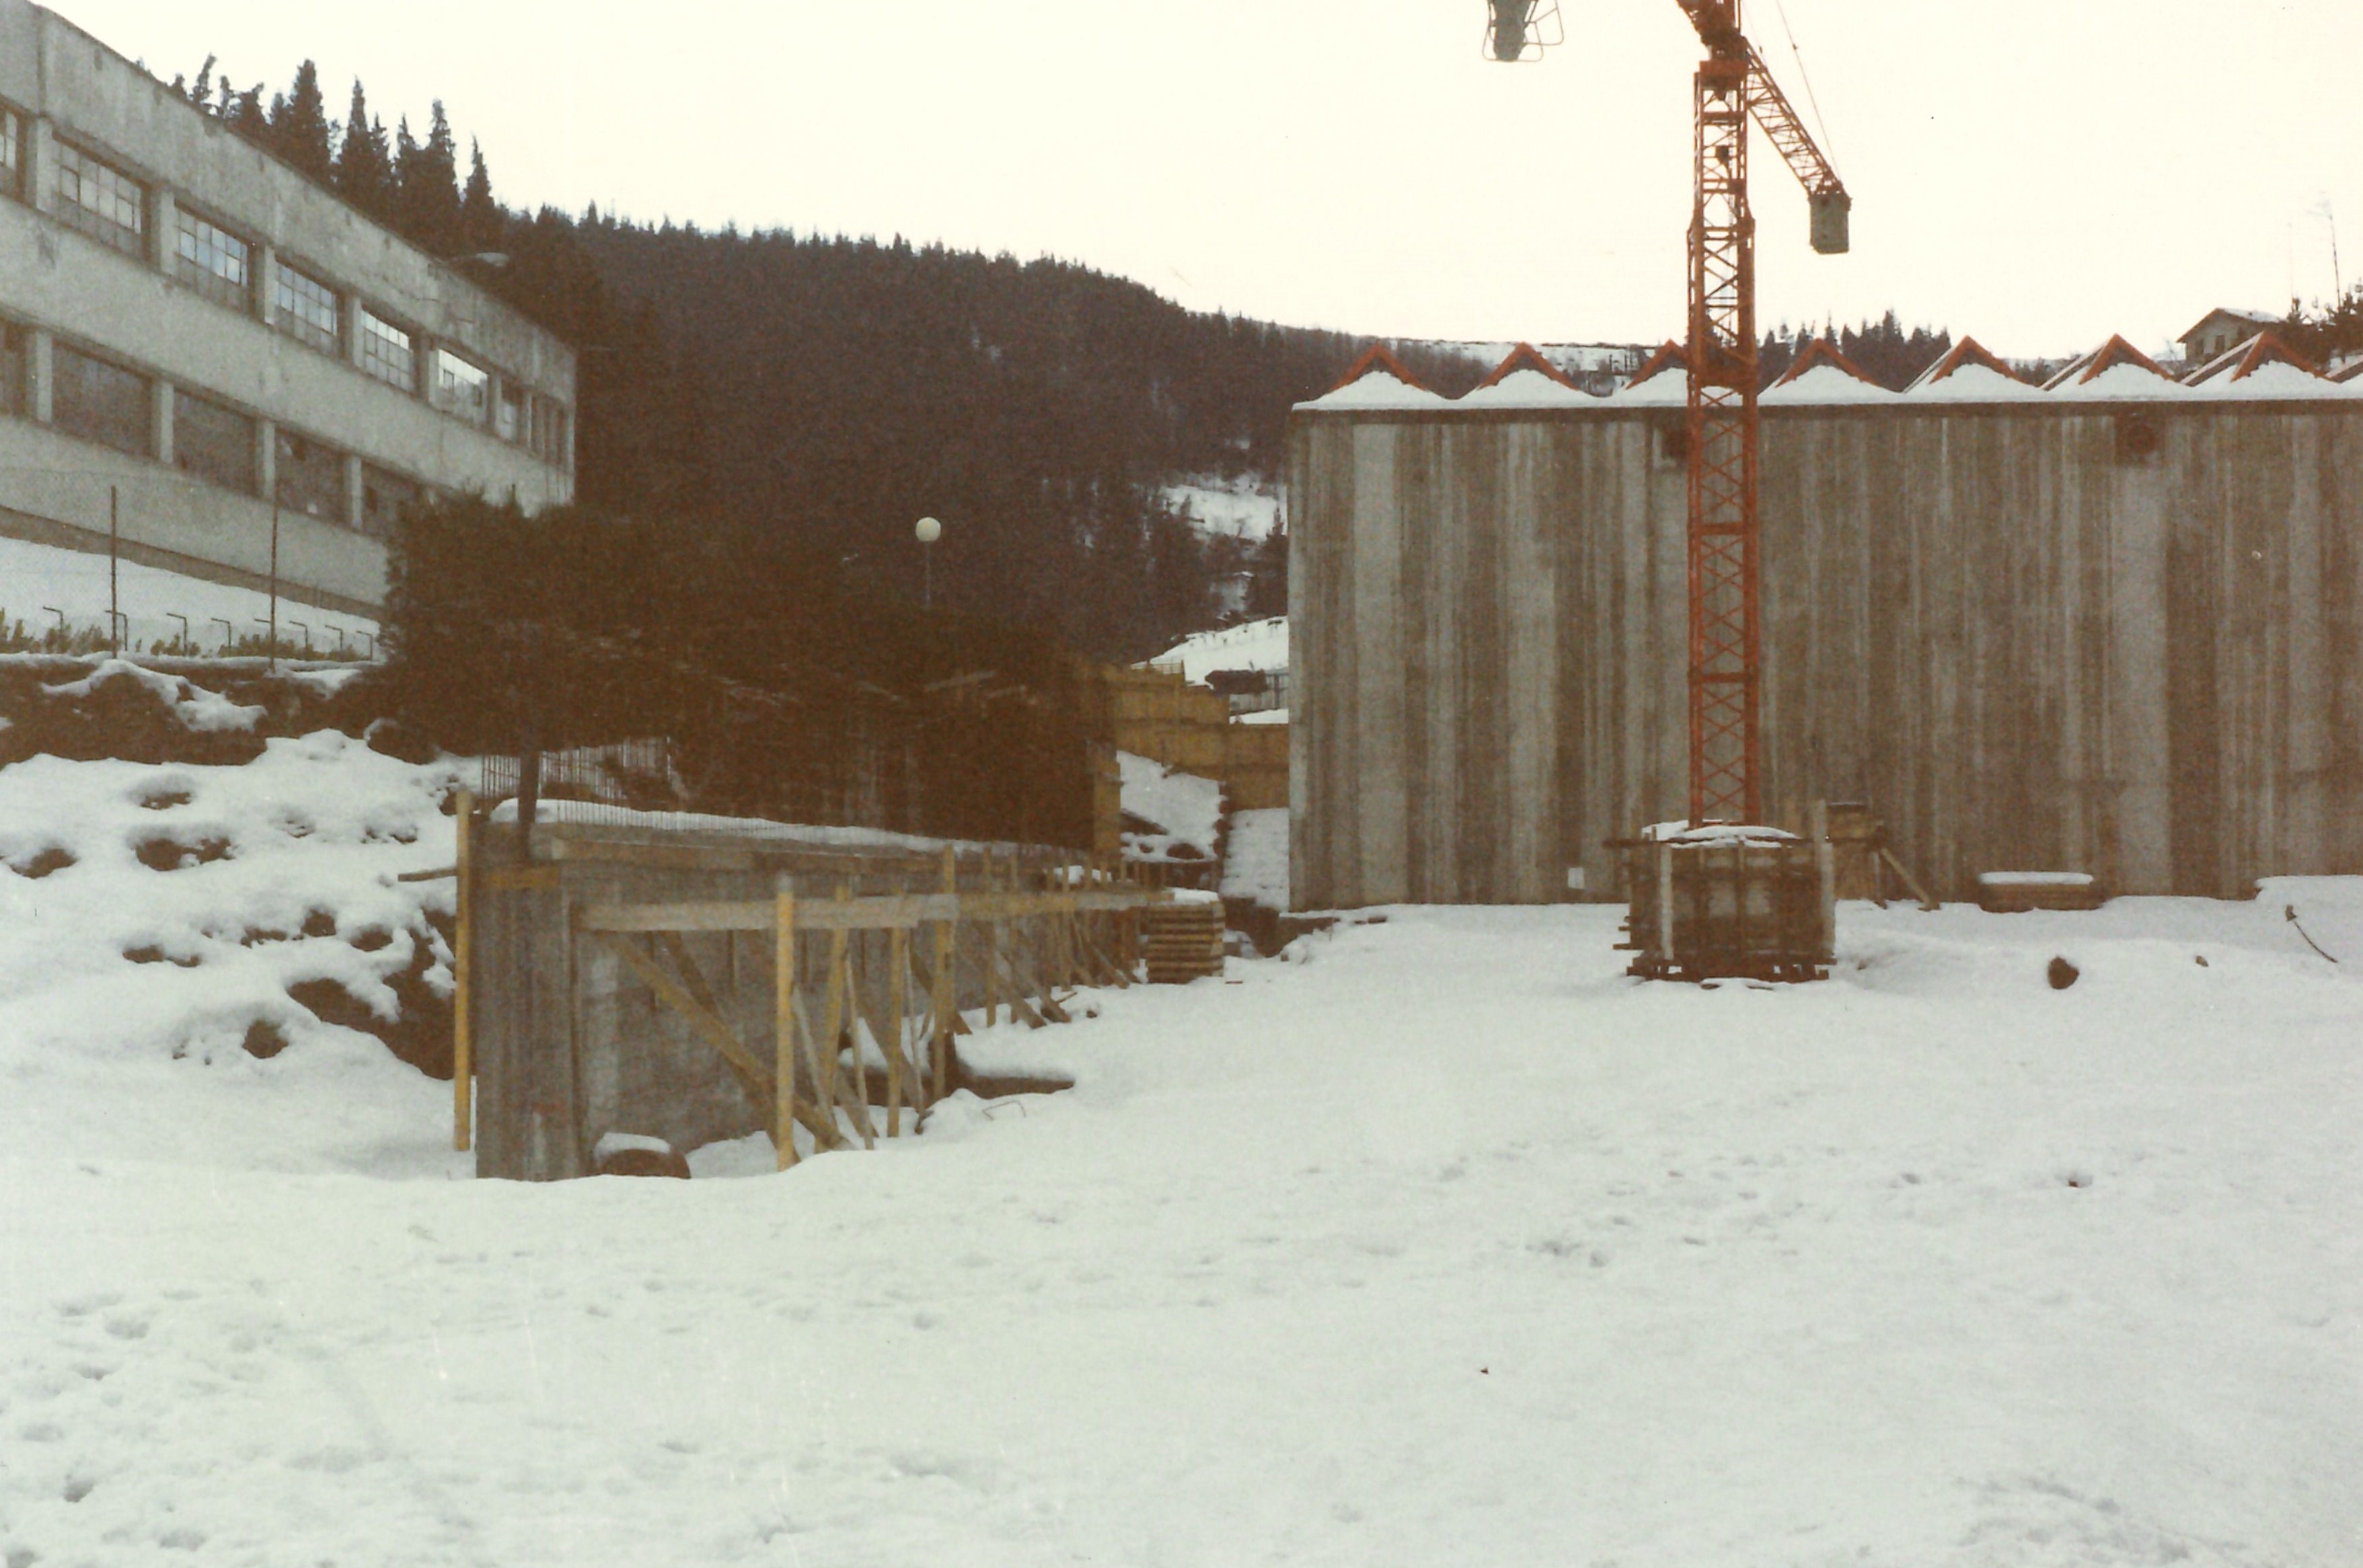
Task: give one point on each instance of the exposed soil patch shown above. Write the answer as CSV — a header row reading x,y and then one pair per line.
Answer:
x,y
155,954
42,864
166,853
263,1039
164,798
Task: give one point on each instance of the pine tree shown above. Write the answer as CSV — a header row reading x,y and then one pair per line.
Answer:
x,y
364,170
480,215
430,188
299,124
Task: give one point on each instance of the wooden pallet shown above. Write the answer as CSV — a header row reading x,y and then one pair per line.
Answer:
x,y
1183,942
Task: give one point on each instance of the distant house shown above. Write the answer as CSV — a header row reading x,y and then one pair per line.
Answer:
x,y
2220,329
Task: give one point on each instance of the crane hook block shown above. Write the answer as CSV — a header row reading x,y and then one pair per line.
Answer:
x,y
1830,210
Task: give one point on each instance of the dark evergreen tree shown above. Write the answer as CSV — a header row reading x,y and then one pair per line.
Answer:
x,y
300,126
426,197
480,213
364,168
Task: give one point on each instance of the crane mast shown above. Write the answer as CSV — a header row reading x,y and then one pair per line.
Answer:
x,y
1730,88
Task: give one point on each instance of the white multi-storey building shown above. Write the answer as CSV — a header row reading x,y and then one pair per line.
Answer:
x,y
212,356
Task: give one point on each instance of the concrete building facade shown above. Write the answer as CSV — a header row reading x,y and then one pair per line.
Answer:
x,y
229,349
2116,628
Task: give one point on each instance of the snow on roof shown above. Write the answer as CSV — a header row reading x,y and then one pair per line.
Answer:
x,y
1827,383
1966,355
1528,389
1974,384
2245,359
1664,378
1377,380
1525,357
2113,355
1250,645
1819,353
2274,379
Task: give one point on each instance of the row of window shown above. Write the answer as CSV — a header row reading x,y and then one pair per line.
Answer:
x,y
100,401
112,207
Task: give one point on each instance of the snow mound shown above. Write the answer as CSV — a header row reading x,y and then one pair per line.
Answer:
x,y
191,704
1183,812
154,921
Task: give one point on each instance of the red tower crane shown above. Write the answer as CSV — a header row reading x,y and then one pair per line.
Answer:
x,y
1731,87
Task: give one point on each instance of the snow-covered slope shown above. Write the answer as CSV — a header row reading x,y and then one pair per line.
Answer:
x,y
1250,645
36,578
1441,1243
1246,506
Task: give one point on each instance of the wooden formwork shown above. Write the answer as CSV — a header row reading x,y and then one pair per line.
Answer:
x,y
625,976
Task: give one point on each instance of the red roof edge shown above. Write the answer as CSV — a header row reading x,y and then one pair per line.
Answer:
x,y
1821,351
1671,355
1968,351
2267,348
1379,358
1526,357
2118,352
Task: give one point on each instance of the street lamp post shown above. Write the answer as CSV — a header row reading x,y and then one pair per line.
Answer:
x,y
928,531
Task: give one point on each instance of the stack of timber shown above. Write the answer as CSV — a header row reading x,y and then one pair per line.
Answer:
x,y
1183,941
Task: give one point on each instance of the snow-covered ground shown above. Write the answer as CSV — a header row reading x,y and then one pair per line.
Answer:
x,y
1438,1241
1242,506
37,578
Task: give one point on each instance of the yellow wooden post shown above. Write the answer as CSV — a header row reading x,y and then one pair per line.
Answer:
x,y
945,998
463,1055
833,1014
897,996
992,954
783,932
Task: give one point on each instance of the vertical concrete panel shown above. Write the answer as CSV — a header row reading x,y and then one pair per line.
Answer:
x,y
2304,757
1435,570
1534,871
2137,778
1481,682
1378,783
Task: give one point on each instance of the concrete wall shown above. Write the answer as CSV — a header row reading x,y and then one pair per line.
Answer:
x,y
2021,648
68,287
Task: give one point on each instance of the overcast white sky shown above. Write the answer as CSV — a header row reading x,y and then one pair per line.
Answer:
x,y
2038,172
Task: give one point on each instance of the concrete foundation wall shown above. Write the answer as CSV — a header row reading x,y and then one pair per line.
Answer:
x,y
2022,649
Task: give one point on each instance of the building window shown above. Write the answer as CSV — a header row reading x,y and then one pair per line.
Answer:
x,y
12,152
514,424
213,442
213,261
383,498
387,354
309,478
101,402
13,367
102,201
460,388
306,309
550,432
